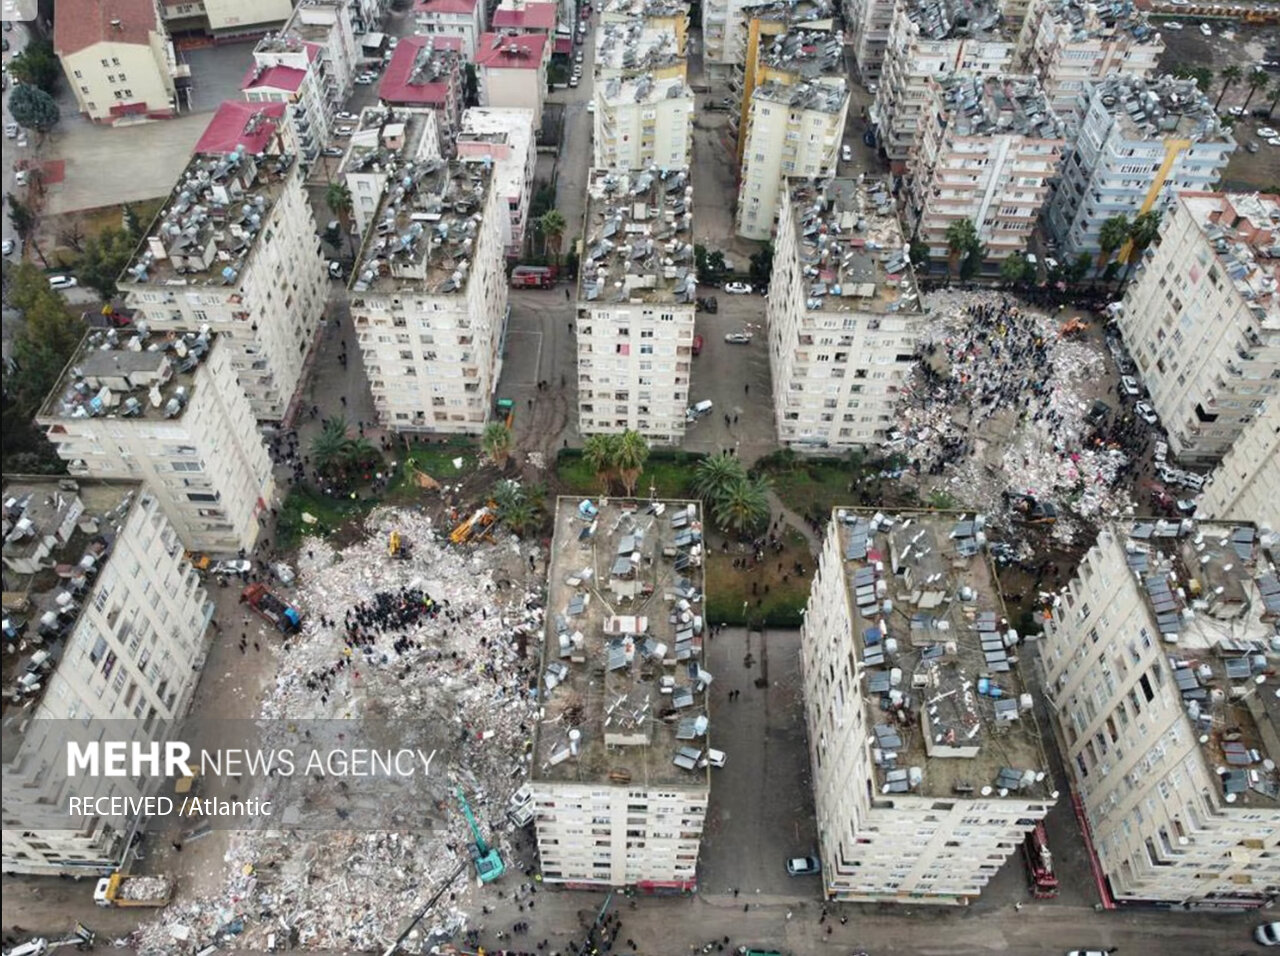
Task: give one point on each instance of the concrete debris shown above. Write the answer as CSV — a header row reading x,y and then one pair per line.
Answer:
x,y
468,666
144,888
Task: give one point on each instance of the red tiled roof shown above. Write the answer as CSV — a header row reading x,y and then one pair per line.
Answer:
x,y
79,24
527,16
395,86
445,6
563,45
504,51
230,127
274,77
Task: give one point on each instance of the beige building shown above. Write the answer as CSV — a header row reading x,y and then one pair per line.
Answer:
x,y
928,764
869,24
327,24
287,70
229,18
384,139
1202,320
1247,482
166,409
464,19
118,59
727,30
512,71
986,155
108,645
504,138
234,249
643,121
620,775
429,297
635,312
844,315
1159,662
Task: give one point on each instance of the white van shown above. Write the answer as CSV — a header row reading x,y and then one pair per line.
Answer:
x,y
713,758
695,412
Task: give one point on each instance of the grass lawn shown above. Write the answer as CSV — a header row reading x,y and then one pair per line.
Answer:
x,y
814,488
669,479
330,514
728,587
436,460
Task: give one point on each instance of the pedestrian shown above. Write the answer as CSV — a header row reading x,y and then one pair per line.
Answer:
x,y
746,389
843,920
745,907
177,845
735,892
566,296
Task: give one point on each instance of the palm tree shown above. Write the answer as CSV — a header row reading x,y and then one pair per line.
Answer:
x,y
1144,231
599,452
631,454
329,448
1275,98
552,225
962,243
338,198
361,453
744,508
716,474
1258,80
1230,77
1113,234
496,443
518,510
1017,269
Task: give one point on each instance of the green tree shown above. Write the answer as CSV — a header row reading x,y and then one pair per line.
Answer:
x,y
600,454
496,443
1016,269
37,65
631,454
21,217
103,259
362,454
329,448
338,198
715,265
1113,234
1144,231
1231,75
1079,267
1275,98
920,256
33,108
762,265
130,222
963,246
471,85
715,474
744,506
519,510
552,226
1258,80
700,261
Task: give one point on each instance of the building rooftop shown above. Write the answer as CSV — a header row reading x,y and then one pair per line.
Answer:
x,y
129,373
1244,230
237,123
385,137
947,711
993,105
1213,596
274,77
958,19
424,228
57,539
793,12
638,237
851,247
292,40
623,691
635,46
632,9
209,225
1086,20
645,89
422,71
806,53
828,94
505,133
82,23
1160,108
511,51
315,30
448,7
521,15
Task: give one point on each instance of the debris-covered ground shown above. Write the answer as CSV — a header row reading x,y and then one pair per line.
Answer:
x,y
999,405
459,667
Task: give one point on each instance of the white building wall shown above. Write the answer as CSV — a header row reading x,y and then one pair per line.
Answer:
x,y
341,54
869,23
631,135
1246,486
112,74
514,163
519,89
467,25
246,16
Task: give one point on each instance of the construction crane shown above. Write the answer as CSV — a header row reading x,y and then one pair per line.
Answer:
x,y
488,860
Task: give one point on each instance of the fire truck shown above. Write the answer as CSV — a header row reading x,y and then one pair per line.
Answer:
x,y
533,277
1044,884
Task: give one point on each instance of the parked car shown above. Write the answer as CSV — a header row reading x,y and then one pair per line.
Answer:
x,y
1162,451
1205,29
573,81
1252,147
577,57
803,866
1129,385
846,153
1267,934
738,338
335,269
713,758
1274,141
737,288
10,130
696,411
346,117
344,131
1186,506
1173,25
591,106
8,247
62,282
366,79
873,88
707,304
1236,111
20,177
233,566
331,151
697,344
1266,132
1146,413
393,42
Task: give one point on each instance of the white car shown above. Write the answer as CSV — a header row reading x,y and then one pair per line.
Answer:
x,y
846,153
577,58
8,247
1129,385
11,130
873,88
1146,413
738,338
62,282
573,81
366,79
737,288
393,42
20,177
1204,28
1162,451
1268,934
345,117
1274,141
233,566
1236,111
591,106
1173,25
344,131
712,758
1266,132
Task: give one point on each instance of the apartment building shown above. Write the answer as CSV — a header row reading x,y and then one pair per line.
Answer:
x,y
658,35
383,140
793,129
636,304
464,19
928,763
327,24
512,71
1247,482
504,138
429,297
525,16
225,20
234,249
869,24
930,42
1202,319
426,73
1141,143
115,619
844,315
1072,44
118,59
286,69
726,26
986,156
1159,661
620,780
778,53
165,408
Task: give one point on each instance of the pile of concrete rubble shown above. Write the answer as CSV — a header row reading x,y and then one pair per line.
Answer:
x,y
467,671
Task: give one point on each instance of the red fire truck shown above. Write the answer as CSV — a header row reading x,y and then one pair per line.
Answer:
x,y
533,277
1044,884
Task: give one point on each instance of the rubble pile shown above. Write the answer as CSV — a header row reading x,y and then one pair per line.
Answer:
x,y
144,888
464,669
999,404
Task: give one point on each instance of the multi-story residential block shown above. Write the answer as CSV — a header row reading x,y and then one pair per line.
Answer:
x,y
116,619
287,69
776,52
384,139
726,25
512,70
426,73
928,764
1072,44
1159,662
235,249
504,138
793,129
659,34
1141,143
844,315
525,16
118,59
165,408
620,776
327,23
429,297
1202,319
1247,483
986,155
464,19
928,42
225,20
869,24
636,304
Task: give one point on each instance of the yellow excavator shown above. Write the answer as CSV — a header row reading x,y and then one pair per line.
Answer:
x,y
480,520
397,547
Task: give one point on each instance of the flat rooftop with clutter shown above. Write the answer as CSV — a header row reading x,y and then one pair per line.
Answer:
x,y
421,71
829,95
300,36
623,690
987,106
634,46
129,373
208,227
1087,19
806,53
639,237
947,710
386,137
851,247
1159,108
425,228
1213,598
630,9
1244,230
817,13
643,89
959,19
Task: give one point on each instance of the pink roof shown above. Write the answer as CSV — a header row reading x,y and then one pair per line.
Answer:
x,y
445,6
234,124
275,78
395,86
526,16
506,51
78,24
